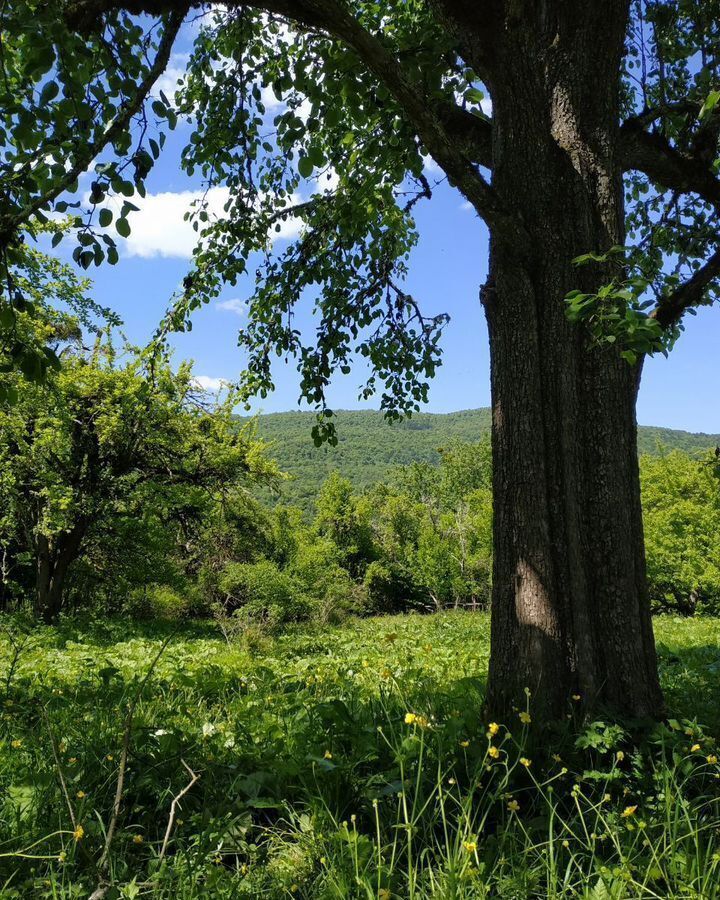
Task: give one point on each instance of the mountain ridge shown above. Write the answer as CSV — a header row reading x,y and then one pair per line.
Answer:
x,y
369,446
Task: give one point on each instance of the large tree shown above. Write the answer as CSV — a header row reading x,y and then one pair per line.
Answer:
x,y
601,143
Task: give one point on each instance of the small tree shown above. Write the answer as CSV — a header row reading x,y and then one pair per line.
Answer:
x,y
101,442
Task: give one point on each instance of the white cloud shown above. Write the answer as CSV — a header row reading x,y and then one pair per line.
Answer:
x,y
431,166
270,101
467,206
159,227
168,81
206,383
234,305
486,106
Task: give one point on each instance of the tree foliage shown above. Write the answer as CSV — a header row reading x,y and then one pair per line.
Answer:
x,y
117,465
324,112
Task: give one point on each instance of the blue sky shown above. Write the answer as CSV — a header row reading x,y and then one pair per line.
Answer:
x,y
447,268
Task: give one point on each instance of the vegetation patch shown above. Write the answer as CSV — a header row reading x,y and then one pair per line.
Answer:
x,y
344,762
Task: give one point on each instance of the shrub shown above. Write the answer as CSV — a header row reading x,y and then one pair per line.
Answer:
x,y
681,511
317,567
262,594
388,589
157,601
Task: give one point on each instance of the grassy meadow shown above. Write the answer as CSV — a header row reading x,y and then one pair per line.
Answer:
x,y
350,762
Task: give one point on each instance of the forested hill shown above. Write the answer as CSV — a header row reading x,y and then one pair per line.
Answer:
x,y
368,446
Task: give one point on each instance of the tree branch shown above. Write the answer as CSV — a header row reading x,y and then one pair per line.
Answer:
x,y
654,155
454,143
672,306
10,224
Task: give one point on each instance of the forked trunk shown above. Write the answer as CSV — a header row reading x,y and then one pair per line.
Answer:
x,y
54,558
570,611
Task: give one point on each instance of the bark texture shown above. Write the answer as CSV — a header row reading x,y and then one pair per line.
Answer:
x,y
53,559
570,611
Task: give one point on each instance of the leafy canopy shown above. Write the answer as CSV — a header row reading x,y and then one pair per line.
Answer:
x,y
317,116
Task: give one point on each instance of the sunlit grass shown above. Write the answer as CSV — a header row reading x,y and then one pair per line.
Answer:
x,y
351,762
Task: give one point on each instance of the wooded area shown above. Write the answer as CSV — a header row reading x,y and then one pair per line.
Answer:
x,y
433,673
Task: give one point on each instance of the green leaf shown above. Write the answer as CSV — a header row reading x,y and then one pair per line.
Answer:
x,y
49,92
305,166
105,217
710,103
122,226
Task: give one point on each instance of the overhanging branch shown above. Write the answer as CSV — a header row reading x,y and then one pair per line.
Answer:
x,y
691,293
455,142
654,155
10,224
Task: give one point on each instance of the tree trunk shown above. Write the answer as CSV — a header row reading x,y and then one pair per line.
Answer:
x,y
54,558
570,610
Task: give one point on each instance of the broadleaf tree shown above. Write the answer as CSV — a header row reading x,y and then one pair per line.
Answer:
x,y
596,173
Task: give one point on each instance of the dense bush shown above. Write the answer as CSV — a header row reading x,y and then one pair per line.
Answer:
x,y
681,509
262,594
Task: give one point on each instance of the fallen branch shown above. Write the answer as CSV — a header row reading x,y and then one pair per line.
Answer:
x,y
173,807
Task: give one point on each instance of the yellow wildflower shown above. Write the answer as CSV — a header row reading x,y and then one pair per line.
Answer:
x,y
494,752
524,761
629,811
80,795
712,759
525,717
138,839
109,757
513,806
470,846
566,844
619,756
16,744
384,894
327,755
557,757
493,728
410,718
694,748
72,760
576,697
79,833
464,744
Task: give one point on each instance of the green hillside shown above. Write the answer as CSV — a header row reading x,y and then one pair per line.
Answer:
x,y
368,446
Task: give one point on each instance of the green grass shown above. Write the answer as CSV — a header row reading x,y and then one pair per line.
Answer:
x,y
312,784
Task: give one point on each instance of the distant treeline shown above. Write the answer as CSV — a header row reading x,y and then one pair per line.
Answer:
x,y
125,490
368,447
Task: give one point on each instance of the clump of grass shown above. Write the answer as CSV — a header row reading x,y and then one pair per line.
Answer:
x,y
347,763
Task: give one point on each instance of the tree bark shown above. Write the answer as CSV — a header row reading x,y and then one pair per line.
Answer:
x,y
570,609
53,559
